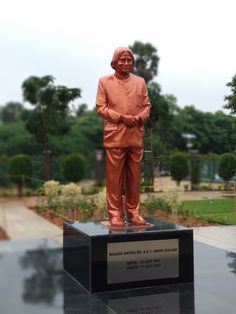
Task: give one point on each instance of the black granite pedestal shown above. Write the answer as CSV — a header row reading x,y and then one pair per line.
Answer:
x,y
103,259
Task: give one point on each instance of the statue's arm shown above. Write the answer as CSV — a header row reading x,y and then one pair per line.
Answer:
x,y
143,115
102,106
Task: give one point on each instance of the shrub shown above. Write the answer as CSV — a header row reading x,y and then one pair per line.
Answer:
x,y
70,190
195,171
101,203
73,167
146,186
169,203
4,180
152,204
86,208
90,190
66,200
227,167
179,166
20,170
70,196
52,190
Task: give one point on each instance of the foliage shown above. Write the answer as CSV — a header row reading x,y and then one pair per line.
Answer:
x,y
11,112
81,110
153,203
15,139
52,191
4,180
73,166
53,129
90,190
65,200
146,66
146,57
85,136
173,198
101,202
20,170
179,166
86,208
231,99
51,110
217,210
71,189
145,183
71,199
163,164
169,203
227,166
51,105
215,132
195,170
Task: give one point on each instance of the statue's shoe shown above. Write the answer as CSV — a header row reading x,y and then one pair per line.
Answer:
x,y
137,221
116,222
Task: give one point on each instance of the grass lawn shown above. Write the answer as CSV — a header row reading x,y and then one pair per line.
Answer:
x,y
221,211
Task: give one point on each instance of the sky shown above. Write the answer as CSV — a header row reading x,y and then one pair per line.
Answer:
x,y
74,41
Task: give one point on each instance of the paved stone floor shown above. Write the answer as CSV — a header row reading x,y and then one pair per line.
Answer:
x,y
33,282
21,223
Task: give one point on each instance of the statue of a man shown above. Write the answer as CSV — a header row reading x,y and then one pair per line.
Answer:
x,y
122,101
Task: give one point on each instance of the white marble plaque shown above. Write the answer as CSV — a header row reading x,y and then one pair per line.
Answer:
x,y
142,260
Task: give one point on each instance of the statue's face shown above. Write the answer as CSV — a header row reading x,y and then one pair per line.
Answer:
x,y
124,64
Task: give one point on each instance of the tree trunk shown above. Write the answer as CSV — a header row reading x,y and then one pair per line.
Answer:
x,y
152,158
46,152
46,174
20,189
226,185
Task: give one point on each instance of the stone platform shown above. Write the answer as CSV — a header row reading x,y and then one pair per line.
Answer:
x,y
105,259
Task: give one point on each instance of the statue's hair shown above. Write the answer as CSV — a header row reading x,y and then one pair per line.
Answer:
x,y
117,55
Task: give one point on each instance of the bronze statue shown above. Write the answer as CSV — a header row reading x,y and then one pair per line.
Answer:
x,y
122,101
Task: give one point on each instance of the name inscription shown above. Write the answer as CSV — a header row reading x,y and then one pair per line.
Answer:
x,y
142,260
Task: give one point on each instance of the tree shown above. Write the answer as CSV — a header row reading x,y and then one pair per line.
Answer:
x,y
81,110
231,99
11,112
158,121
85,137
214,131
227,167
4,180
179,166
50,113
15,139
146,64
73,166
194,171
20,170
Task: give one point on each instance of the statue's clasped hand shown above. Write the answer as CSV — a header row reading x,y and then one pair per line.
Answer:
x,y
131,121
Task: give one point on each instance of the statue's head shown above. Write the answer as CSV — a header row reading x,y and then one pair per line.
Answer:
x,y
123,55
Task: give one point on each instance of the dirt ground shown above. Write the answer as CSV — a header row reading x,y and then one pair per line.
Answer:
x,y
186,221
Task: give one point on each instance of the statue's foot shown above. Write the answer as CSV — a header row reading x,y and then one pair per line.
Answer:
x,y
137,221
116,222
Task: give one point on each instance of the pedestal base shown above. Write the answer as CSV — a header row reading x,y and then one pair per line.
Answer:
x,y
104,259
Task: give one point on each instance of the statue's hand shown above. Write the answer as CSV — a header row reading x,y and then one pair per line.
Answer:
x,y
139,121
129,120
